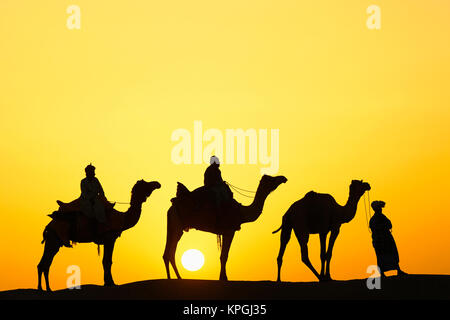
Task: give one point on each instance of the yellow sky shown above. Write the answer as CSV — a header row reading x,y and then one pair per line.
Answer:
x,y
349,103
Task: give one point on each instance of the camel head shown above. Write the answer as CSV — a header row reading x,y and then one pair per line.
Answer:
x,y
269,183
143,189
358,187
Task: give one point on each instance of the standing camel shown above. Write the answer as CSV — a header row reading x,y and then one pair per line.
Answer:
x,y
78,228
195,210
318,213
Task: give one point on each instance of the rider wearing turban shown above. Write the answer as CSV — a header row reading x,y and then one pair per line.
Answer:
x,y
220,192
383,241
92,199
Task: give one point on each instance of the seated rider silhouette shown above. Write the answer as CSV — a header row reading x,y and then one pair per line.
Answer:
x,y
219,190
92,201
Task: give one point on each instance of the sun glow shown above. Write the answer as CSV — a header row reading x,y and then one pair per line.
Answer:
x,y
192,260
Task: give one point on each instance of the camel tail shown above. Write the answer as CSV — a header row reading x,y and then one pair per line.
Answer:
x,y
286,221
219,242
44,234
281,227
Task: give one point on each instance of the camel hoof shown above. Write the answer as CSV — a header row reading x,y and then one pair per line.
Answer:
x,y
325,279
223,277
110,284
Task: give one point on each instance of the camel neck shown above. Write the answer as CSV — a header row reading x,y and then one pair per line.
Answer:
x,y
254,210
133,214
349,210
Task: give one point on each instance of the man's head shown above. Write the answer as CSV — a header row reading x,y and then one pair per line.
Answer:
x,y
214,160
378,206
90,171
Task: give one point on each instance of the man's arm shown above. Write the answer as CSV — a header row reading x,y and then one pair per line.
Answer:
x,y
100,188
206,177
83,187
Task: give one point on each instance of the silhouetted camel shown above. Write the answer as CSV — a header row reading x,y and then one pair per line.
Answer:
x,y
195,210
318,213
61,228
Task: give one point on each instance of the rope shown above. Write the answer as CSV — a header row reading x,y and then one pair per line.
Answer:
x,y
242,194
239,188
367,211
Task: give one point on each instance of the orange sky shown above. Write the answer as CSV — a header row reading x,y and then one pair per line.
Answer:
x,y
349,103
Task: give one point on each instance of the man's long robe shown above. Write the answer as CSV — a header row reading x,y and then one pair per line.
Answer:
x,y
384,243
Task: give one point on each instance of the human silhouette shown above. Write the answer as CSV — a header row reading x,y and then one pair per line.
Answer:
x,y
93,200
318,213
219,190
383,241
76,226
193,209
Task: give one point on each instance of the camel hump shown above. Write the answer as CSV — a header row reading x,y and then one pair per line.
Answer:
x,y
311,194
315,196
181,189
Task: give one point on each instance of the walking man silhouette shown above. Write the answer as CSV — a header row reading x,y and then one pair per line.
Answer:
x,y
383,241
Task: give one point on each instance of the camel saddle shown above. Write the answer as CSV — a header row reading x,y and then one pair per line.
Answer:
x,y
223,216
77,224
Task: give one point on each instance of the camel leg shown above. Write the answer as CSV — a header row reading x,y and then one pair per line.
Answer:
x,y
52,245
227,239
40,271
176,239
323,253
333,236
174,233
284,239
108,249
167,251
303,241
166,259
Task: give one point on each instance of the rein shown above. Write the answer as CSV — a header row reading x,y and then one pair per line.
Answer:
x,y
239,190
367,209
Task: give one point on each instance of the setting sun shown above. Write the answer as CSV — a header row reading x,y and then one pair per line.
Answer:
x,y
192,260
